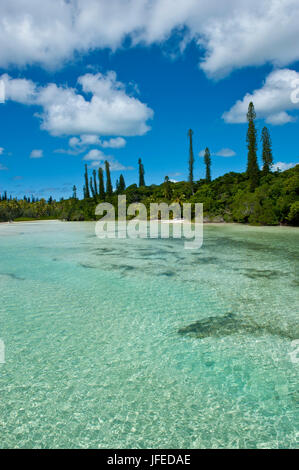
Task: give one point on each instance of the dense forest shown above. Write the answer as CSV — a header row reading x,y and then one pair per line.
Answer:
x,y
257,196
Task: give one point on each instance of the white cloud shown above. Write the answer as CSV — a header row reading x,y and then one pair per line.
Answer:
x,y
36,154
96,154
116,143
283,166
97,158
272,102
1,150
87,140
109,111
2,167
225,152
229,35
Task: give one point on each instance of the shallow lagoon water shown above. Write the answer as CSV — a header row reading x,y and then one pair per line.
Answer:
x,y
102,351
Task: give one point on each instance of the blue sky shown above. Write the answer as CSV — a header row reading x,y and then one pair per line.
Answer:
x,y
139,93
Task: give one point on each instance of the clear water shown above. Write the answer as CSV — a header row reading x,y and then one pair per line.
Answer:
x,y
93,354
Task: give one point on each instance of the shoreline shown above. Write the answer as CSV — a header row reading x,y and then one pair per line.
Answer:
x,y
170,222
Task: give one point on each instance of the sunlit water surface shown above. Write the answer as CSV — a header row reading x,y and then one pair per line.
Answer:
x,y
94,357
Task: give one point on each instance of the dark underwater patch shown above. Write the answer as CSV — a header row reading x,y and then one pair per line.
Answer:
x,y
204,260
13,276
126,267
218,327
263,273
167,274
87,266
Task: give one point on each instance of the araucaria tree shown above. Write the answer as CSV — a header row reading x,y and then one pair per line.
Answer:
x,y
95,182
207,158
92,188
191,158
109,188
86,186
252,165
267,151
101,184
141,173
167,188
121,184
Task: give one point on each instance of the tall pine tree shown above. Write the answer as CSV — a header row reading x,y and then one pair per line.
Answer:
x,y
141,173
122,184
267,151
252,165
101,184
86,187
191,158
92,187
167,188
109,189
94,173
207,159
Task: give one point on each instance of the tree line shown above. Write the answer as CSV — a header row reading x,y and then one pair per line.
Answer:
x,y
257,196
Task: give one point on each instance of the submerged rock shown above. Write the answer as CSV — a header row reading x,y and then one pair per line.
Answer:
x,y
12,276
230,324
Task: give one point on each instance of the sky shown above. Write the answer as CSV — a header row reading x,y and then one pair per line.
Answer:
x,y
84,81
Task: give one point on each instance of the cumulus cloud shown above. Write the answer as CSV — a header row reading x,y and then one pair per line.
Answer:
x,y
281,166
104,107
87,140
1,150
2,167
273,101
225,152
97,159
36,154
2,92
229,35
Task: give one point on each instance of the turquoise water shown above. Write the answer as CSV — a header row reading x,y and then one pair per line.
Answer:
x,y
95,358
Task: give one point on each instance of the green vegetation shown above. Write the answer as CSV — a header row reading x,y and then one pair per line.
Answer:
x,y
257,197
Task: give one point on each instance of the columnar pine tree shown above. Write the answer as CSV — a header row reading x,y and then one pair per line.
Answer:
x,y
94,173
122,184
207,158
74,192
109,188
252,165
86,187
101,184
267,151
92,188
191,158
167,188
141,173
